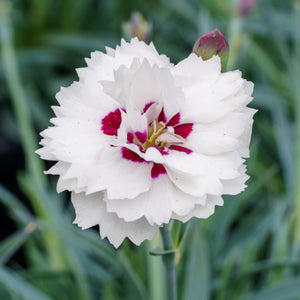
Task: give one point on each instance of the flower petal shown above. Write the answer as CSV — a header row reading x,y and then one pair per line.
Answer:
x,y
138,49
116,230
222,135
90,211
193,70
121,178
236,185
222,166
196,185
157,205
205,105
202,211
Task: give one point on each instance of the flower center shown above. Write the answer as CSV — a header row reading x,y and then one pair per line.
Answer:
x,y
162,134
155,131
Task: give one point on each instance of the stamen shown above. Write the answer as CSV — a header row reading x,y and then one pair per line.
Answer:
x,y
155,134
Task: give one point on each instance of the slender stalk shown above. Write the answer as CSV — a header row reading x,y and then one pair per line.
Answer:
x,y
155,273
169,263
234,39
297,118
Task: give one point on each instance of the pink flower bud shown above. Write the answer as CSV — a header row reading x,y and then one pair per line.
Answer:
x,y
245,7
138,27
212,43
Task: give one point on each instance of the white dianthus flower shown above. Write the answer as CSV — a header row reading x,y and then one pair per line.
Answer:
x,y
140,141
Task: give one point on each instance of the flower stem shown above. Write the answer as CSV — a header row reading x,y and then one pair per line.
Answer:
x,y
169,263
296,90
156,272
234,39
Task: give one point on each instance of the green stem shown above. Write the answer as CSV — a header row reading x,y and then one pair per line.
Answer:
x,y
169,263
297,118
155,273
234,40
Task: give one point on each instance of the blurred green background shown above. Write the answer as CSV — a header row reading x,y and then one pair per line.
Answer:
x,y
249,249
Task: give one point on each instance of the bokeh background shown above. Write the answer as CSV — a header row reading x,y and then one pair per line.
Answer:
x,y
249,249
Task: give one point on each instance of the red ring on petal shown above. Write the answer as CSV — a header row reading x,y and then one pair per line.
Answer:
x,y
130,155
111,123
157,169
174,120
184,129
180,149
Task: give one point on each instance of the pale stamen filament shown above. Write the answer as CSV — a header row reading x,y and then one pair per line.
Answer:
x,y
155,134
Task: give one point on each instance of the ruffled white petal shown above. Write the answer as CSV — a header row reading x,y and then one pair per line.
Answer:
x,y
142,83
222,166
196,185
102,66
121,178
194,71
220,136
226,95
116,230
202,211
137,122
137,49
236,185
91,210
157,205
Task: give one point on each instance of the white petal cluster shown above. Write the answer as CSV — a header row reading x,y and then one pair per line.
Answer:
x,y
139,141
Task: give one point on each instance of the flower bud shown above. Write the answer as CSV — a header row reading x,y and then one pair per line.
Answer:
x,y
212,43
245,6
137,27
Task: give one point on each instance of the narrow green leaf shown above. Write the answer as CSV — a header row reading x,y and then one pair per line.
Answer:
x,y
157,251
262,266
197,271
226,276
132,275
11,244
81,42
288,290
231,208
17,285
15,206
262,59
